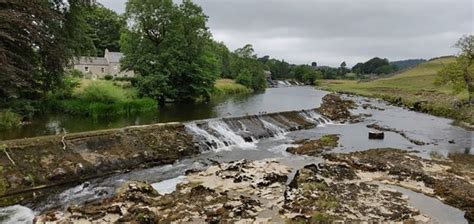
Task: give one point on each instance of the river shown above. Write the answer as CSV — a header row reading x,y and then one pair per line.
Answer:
x,y
439,134
272,100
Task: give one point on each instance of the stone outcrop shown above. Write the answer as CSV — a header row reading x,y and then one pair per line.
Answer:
x,y
337,109
314,147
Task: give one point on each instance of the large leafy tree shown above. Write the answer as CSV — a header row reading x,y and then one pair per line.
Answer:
x,y
105,26
168,46
38,38
247,69
460,75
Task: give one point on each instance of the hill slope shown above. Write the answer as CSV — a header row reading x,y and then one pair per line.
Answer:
x,y
413,88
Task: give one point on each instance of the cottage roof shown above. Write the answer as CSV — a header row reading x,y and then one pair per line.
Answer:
x,y
113,57
93,61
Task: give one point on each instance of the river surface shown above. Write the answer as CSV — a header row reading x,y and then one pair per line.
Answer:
x,y
436,132
272,100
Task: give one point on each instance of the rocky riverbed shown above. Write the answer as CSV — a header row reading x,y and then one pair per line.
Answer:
x,y
345,187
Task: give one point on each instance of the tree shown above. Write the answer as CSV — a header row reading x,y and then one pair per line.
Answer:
x,y
460,75
244,60
38,39
105,26
244,78
168,46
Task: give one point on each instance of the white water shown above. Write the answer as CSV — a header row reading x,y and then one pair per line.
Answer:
x,y
224,139
219,145
315,118
229,136
274,129
168,186
16,214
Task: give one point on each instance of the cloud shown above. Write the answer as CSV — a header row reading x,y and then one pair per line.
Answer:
x,y
332,31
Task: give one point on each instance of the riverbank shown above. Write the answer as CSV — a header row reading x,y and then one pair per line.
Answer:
x,y
415,89
229,87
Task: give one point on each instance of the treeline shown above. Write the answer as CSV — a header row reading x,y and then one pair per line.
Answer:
x,y
168,45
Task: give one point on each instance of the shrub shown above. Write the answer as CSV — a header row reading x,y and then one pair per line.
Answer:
x,y
103,92
108,77
76,73
9,119
102,99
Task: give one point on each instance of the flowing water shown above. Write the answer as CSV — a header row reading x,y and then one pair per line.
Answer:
x,y
262,137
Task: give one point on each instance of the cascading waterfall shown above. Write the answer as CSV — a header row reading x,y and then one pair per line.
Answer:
x,y
272,128
224,134
315,118
228,136
211,141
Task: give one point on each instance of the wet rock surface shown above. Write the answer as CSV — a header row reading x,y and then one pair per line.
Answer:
x,y
333,192
403,134
347,188
337,109
314,147
450,180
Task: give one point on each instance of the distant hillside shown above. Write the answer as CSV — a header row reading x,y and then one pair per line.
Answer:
x,y
410,87
403,64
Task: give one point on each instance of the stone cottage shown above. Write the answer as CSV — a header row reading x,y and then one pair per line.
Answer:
x,y
99,67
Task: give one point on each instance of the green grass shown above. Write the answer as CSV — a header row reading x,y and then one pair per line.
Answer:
x,y
229,87
103,98
411,86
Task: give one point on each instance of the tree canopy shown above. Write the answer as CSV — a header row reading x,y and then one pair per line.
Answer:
x,y
38,38
168,46
460,75
104,28
374,66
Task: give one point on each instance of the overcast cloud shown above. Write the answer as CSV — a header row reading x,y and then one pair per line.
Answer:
x,y
332,31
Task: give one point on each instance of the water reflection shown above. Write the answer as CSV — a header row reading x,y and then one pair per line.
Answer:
x,y
272,100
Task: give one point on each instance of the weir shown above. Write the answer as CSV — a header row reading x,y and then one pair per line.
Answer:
x,y
29,167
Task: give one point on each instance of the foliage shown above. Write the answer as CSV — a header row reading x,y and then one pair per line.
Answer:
x,y
246,69
9,119
374,66
460,75
38,38
404,64
244,78
105,26
102,99
228,86
168,47
108,77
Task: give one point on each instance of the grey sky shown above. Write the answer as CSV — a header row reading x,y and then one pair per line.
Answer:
x,y
332,31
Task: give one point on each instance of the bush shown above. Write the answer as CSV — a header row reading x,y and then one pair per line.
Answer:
x,y
103,92
76,73
103,99
9,119
108,77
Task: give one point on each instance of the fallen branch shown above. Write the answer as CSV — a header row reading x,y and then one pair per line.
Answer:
x,y
4,148
63,138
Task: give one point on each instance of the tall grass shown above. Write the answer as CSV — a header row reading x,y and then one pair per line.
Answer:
x,y
103,99
229,87
9,119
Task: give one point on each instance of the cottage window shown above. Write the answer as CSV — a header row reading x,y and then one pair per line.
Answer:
x,y
102,69
86,69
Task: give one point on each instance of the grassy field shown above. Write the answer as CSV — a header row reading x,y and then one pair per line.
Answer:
x,y
414,87
228,87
